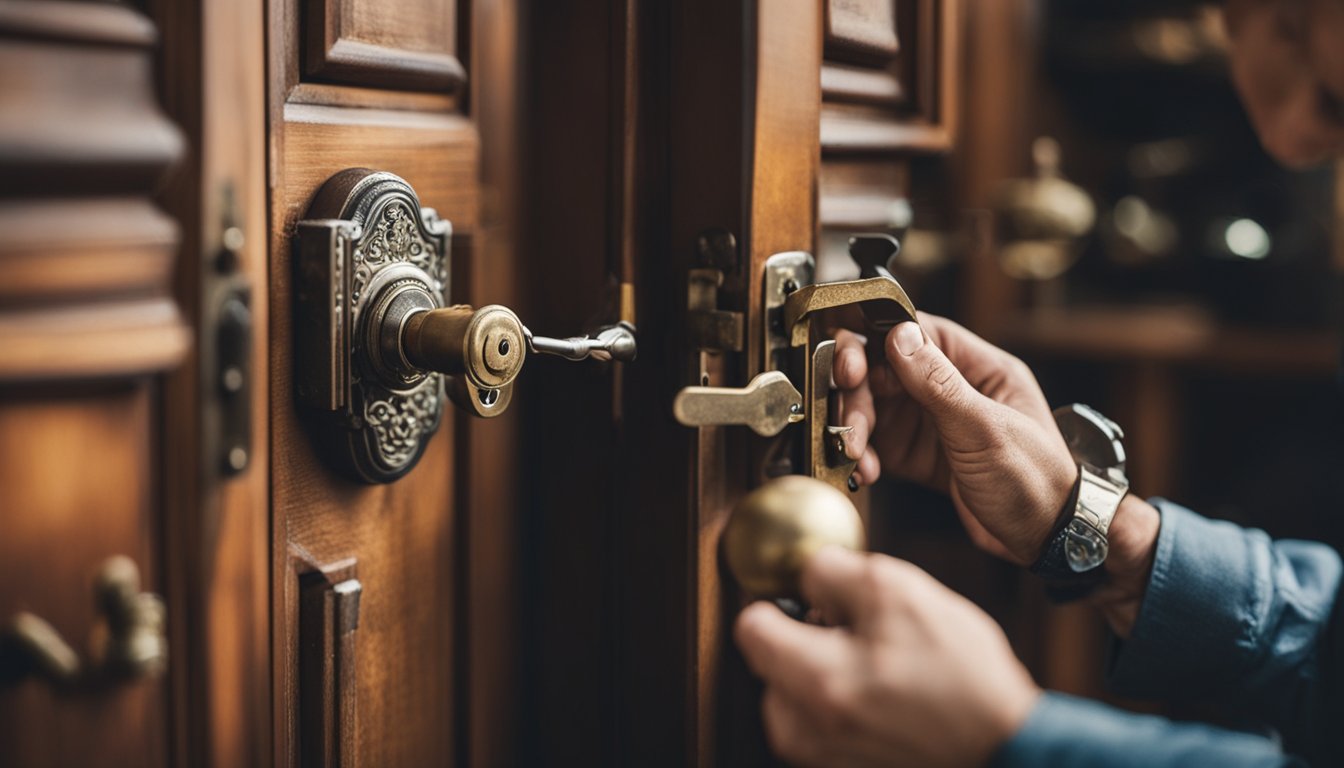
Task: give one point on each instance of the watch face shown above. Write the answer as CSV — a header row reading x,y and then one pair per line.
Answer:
x,y
1084,546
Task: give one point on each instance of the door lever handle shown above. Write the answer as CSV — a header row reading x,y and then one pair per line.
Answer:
x,y
768,404
614,342
133,645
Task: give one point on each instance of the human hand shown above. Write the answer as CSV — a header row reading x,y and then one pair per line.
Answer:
x,y
917,676
956,413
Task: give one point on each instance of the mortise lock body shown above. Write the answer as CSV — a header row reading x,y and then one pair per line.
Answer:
x,y
378,348
795,385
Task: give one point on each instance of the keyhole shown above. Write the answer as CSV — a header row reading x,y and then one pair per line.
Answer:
x,y
503,347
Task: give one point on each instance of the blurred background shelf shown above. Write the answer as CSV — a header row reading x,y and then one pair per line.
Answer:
x,y
1186,336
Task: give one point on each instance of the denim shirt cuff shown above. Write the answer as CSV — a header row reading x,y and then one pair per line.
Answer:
x,y
1068,732
1194,628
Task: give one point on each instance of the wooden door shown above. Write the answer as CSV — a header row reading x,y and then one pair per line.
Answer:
x,y
390,616
693,117
700,133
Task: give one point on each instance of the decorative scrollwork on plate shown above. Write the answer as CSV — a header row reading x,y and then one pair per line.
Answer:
x,y
365,234
401,421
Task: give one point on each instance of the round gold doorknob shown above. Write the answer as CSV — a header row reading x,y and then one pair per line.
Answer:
x,y
777,527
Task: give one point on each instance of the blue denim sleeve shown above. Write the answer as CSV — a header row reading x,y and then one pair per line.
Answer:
x,y
1067,732
1231,614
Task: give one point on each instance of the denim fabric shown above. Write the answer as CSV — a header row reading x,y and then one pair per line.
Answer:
x,y
1229,615
1068,732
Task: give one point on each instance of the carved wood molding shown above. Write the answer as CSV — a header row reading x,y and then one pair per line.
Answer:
x,y
85,257
902,101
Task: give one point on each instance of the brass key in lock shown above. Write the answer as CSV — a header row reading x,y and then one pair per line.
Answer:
x,y
376,344
484,350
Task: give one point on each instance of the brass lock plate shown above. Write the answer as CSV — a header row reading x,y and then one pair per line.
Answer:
x,y
366,253
785,274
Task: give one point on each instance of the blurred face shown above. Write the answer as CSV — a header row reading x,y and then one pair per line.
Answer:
x,y
1287,62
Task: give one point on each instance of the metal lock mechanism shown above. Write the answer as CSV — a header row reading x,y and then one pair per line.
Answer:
x,y
795,385
377,348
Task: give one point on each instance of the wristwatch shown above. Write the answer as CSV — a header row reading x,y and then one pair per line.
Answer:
x,y
1073,555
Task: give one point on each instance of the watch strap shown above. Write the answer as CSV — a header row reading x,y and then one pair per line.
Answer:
x,y
1081,528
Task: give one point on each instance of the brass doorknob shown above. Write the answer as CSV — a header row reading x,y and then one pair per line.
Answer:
x,y
777,527
377,344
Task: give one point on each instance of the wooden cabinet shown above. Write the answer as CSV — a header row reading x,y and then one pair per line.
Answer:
x,y
88,328
542,588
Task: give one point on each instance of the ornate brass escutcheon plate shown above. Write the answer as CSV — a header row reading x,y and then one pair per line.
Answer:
x,y
367,259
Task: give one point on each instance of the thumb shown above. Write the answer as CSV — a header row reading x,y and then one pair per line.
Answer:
x,y
931,379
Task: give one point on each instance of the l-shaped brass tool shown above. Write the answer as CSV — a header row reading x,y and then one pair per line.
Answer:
x,y
884,304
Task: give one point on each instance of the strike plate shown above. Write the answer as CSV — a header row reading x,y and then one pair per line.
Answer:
x,y
367,249
785,274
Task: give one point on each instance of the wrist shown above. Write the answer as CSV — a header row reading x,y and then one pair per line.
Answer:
x,y
1010,719
1133,545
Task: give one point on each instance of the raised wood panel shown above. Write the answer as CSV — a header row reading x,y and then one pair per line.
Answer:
x,y
901,103
78,488
864,29
398,44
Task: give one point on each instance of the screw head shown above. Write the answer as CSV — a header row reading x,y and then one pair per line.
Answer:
x,y
790,286
232,379
237,458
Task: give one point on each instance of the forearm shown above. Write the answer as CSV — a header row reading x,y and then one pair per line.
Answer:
x,y
1228,613
1068,732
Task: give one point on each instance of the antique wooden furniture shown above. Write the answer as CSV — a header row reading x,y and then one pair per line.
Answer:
x,y
188,577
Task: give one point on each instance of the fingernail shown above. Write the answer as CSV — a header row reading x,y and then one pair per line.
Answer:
x,y
909,338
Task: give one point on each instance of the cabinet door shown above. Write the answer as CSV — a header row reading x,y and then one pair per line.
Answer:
x,y
88,326
376,628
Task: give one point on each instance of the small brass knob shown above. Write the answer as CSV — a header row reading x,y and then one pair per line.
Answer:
x,y
132,643
777,527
